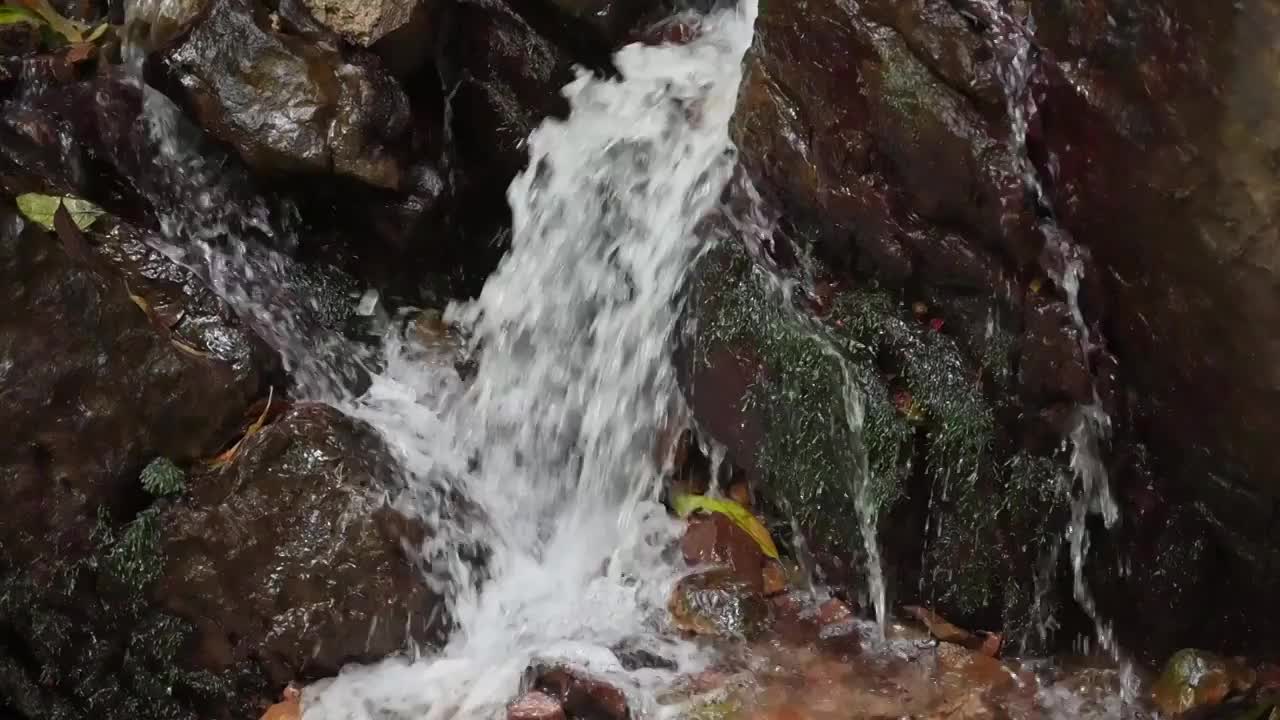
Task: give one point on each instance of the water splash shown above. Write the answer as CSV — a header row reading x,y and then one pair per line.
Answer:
x,y
574,334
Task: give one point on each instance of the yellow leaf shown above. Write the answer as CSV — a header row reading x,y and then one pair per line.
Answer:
x,y
97,33
688,504
72,31
226,457
12,15
40,209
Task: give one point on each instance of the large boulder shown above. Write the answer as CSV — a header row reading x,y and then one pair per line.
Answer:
x,y
110,358
290,563
288,104
881,133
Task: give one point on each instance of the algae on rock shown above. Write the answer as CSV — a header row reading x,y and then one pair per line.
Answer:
x,y
926,430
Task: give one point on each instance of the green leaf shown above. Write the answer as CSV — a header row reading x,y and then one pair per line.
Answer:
x,y
742,517
40,209
13,15
72,31
97,33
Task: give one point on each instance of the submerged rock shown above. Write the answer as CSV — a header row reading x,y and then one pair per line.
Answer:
x,y
290,563
1194,680
717,602
579,695
286,104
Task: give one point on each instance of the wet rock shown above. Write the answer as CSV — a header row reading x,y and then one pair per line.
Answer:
x,y
290,563
363,22
581,696
287,105
103,389
535,706
1194,679
504,78
157,22
716,602
95,387
715,539
774,579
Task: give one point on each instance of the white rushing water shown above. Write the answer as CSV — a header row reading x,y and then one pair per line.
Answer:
x,y
574,333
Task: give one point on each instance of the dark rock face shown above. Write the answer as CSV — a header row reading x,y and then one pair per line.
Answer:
x,y
503,78
89,403
288,105
94,387
289,563
881,133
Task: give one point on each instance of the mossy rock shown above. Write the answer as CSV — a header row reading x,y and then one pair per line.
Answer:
x,y
926,432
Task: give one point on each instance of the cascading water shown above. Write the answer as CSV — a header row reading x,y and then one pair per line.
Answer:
x,y
551,443
1013,40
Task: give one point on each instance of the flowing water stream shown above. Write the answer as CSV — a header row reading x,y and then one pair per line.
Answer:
x,y
550,444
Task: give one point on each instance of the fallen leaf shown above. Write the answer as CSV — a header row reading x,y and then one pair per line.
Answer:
x,y
907,405
943,630
225,458
80,52
687,504
138,300
72,31
1036,286
40,209
13,15
97,33
919,308
192,351
936,324
287,710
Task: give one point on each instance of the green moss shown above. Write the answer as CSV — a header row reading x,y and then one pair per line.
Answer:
x,y
94,645
904,379
162,477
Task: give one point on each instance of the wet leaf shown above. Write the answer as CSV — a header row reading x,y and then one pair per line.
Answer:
x,y
80,52
943,630
1036,286
225,458
12,15
72,31
189,350
97,33
685,505
40,210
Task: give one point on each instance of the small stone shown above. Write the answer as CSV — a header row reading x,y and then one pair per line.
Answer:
x,y
715,539
535,705
833,612
775,578
717,603
1191,680
740,492
582,696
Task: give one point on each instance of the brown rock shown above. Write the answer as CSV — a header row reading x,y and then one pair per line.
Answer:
x,y
714,538
740,492
834,612
286,563
774,578
581,695
284,105
535,705
717,602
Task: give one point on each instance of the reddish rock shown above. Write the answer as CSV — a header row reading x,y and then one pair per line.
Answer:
x,y
715,539
833,612
582,696
775,578
535,705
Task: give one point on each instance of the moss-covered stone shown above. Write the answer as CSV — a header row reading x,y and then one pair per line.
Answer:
x,y
87,645
870,391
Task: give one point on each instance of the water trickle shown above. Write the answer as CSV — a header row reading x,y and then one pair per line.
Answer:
x,y
1013,40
